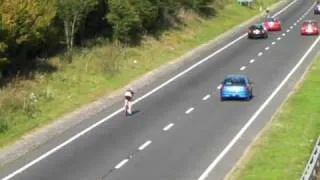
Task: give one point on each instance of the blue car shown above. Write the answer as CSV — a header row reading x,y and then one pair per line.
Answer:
x,y
236,86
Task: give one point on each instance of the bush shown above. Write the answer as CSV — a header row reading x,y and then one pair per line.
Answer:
x,y
108,59
4,125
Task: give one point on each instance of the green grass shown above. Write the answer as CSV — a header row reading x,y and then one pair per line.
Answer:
x,y
285,145
102,69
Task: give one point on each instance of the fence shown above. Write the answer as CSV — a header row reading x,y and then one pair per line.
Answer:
x,y
312,167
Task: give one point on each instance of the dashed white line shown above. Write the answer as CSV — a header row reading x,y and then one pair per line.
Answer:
x,y
219,87
169,126
206,97
291,27
283,34
253,118
288,30
252,60
273,43
279,38
189,110
122,163
144,145
267,48
242,68
295,24
260,53
93,126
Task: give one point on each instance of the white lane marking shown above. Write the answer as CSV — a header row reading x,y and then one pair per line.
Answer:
x,y
144,145
219,87
206,97
260,53
214,163
288,30
295,24
291,27
279,38
122,163
252,60
189,110
85,131
169,126
267,48
242,68
283,34
273,43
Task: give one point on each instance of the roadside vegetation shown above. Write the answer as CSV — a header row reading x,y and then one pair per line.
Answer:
x,y
285,145
56,55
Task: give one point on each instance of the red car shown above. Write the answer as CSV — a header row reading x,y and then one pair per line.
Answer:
x,y
272,24
309,27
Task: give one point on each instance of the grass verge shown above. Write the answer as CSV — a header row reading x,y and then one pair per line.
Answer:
x,y
99,70
285,145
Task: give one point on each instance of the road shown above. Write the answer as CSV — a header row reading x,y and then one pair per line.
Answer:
x,y
181,128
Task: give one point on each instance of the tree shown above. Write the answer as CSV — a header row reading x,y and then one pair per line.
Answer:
x,y
3,45
124,19
72,12
25,22
147,11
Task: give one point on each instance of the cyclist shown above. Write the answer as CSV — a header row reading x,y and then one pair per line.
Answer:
x,y
128,96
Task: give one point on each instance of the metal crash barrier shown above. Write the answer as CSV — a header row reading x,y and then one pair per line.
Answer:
x,y
312,167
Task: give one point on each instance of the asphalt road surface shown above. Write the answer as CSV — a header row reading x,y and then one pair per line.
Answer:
x,y
181,130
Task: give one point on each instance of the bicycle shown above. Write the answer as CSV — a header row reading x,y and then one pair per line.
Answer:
x,y
126,108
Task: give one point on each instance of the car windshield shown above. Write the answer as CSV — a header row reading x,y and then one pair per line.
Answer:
x,y
234,81
271,19
256,27
309,23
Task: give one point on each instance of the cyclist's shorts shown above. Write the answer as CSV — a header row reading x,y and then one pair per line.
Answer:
x,y
128,98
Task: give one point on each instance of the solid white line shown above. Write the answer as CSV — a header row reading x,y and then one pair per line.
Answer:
x,y
273,43
252,60
144,145
260,53
279,38
205,174
122,163
206,97
267,48
169,126
189,110
76,136
242,68
219,87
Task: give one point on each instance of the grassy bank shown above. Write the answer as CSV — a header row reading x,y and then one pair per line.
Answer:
x,y
286,144
101,69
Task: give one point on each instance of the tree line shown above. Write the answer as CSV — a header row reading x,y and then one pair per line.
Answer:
x,y
30,28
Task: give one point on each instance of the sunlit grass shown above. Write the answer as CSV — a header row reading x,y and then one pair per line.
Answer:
x,y
285,146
